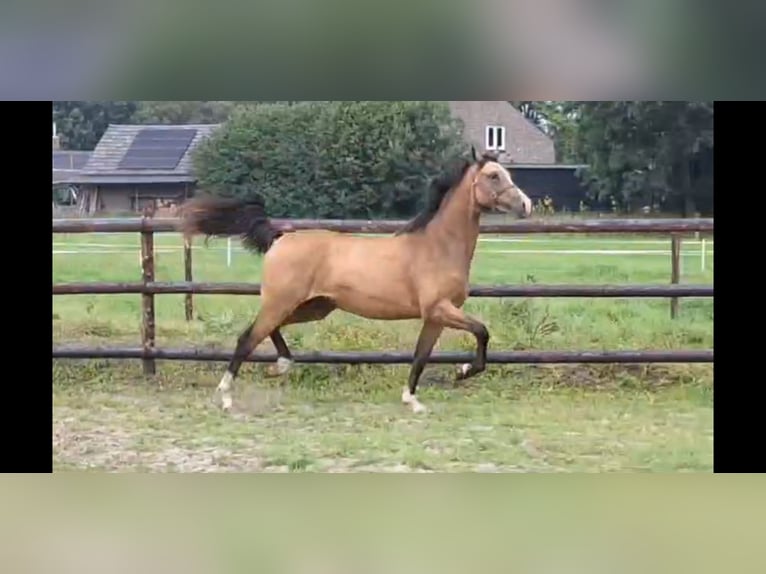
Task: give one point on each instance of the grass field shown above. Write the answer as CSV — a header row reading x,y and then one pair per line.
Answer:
x,y
349,418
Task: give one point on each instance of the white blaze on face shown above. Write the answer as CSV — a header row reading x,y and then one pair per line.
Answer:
x,y
505,176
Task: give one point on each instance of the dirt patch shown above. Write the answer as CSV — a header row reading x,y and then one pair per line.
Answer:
x,y
112,447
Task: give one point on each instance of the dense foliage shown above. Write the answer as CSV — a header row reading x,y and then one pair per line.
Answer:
x,y
186,112
657,154
372,159
81,124
331,159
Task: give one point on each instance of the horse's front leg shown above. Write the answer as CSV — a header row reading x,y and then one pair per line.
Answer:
x,y
445,313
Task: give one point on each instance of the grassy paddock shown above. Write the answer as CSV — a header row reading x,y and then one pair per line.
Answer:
x,y
348,418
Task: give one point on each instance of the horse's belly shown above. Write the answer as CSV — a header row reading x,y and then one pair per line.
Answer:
x,y
375,305
370,310
368,277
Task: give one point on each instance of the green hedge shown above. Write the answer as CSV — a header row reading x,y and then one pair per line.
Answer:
x,y
331,159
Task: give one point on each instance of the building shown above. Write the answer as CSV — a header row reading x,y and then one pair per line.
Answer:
x,y
523,148
67,166
138,166
498,126
559,183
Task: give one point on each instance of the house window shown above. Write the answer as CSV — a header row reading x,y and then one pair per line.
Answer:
x,y
495,138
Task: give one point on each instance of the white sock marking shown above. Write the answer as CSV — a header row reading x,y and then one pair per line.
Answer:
x,y
225,388
417,406
283,365
410,399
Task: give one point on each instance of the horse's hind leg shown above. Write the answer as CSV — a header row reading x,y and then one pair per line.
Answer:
x,y
269,318
429,334
312,310
284,356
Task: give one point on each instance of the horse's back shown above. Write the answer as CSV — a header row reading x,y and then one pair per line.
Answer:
x,y
369,276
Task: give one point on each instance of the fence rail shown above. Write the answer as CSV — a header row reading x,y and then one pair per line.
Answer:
x,y
184,287
148,287
363,226
391,358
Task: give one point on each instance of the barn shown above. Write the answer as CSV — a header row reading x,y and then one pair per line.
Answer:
x,y
138,166
558,182
522,147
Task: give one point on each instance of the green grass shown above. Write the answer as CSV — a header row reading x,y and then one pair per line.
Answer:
x,y
349,418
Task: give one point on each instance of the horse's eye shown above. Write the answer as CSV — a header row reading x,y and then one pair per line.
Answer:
x,y
494,177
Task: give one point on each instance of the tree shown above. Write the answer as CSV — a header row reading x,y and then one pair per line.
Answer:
x,y
646,153
557,120
184,112
81,124
533,111
331,159
657,154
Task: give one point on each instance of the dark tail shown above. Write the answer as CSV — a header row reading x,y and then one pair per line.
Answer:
x,y
223,217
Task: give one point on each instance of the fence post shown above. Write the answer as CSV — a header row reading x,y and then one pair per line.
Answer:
x,y
189,304
147,299
675,255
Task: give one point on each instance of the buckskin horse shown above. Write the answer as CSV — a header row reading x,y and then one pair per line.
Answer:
x,y
419,272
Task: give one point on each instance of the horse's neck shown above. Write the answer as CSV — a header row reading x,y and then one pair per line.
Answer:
x,y
456,227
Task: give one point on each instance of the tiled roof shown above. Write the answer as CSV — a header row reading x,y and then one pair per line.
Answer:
x,y
104,162
525,142
67,165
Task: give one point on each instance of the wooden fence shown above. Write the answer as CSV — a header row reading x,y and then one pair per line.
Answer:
x,y
148,288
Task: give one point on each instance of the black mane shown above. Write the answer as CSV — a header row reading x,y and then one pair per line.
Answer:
x,y
439,190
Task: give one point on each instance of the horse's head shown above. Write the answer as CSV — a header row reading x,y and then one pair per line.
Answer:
x,y
494,189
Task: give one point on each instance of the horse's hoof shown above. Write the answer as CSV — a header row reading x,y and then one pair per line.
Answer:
x,y
409,399
279,368
463,371
418,407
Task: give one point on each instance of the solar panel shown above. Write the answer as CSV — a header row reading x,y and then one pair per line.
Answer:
x,y
157,148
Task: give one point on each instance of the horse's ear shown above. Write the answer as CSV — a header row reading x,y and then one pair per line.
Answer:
x,y
473,153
